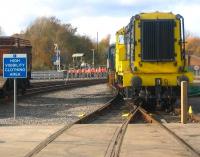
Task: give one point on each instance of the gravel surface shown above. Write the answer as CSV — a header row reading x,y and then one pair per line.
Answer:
x,y
60,107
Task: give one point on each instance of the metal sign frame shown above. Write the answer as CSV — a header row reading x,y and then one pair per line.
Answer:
x,y
17,64
14,63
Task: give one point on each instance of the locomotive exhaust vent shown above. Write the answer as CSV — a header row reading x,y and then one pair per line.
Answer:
x,y
157,38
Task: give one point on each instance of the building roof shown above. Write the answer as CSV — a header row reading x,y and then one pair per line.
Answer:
x,y
78,55
14,41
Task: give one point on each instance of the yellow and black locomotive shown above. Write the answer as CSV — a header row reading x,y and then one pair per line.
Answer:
x,y
148,61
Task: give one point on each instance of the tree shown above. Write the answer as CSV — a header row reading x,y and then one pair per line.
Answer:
x,y
193,46
44,32
102,50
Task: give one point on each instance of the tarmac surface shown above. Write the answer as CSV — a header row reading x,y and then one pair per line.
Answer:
x,y
92,140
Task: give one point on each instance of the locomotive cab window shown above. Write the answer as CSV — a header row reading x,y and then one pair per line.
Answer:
x,y
121,39
129,42
157,38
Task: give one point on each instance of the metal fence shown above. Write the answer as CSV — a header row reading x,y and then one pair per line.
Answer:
x,y
53,74
50,75
45,75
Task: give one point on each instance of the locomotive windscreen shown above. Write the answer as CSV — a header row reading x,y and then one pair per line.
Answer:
x,y
157,40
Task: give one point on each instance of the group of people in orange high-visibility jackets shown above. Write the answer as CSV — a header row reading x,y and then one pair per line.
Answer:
x,y
91,72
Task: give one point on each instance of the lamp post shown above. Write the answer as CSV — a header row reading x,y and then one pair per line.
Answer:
x,y
92,57
57,51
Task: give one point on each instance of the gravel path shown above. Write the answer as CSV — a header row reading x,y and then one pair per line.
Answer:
x,y
61,107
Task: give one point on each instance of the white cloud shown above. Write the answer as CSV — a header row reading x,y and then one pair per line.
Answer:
x,y
191,15
109,25
104,25
16,15
132,2
143,2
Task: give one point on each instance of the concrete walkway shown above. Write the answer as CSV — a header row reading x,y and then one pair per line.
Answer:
x,y
92,140
16,141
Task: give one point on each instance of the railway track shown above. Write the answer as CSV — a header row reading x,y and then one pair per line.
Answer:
x,y
117,140
112,112
153,118
59,85
43,87
49,82
86,118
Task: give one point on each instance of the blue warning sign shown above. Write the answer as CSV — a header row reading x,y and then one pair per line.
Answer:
x,y
14,65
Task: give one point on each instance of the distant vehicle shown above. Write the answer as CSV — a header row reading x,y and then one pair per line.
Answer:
x,y
9,45
148,63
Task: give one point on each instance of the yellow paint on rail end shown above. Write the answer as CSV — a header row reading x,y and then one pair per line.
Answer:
x,y
125,114
81,115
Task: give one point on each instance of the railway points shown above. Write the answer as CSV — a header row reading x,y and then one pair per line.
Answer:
x,y
91,140
96,135
156,142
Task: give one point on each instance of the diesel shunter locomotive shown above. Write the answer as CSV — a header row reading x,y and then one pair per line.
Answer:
x,y
148,61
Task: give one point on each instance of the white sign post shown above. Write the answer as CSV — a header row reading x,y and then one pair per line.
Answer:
x,y
15,97
15,66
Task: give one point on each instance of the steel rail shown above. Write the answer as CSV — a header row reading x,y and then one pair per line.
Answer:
x,y
45,87
53,136
116,142
181,141
60,86
48,82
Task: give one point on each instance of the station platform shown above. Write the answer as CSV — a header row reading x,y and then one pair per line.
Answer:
x,y
92,140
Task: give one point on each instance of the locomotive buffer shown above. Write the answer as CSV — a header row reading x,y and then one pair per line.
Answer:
x,y
15,66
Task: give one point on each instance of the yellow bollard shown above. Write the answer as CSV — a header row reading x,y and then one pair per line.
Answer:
x,y
81,115
125,114
190,111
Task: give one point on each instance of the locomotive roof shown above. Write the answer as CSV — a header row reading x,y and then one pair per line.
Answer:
x,y
13,41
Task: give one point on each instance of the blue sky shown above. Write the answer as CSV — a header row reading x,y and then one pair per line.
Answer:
x,y
91,16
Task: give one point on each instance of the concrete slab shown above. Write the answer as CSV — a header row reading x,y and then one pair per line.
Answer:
x,y
92,140
82,140
149,140
16,141
189,132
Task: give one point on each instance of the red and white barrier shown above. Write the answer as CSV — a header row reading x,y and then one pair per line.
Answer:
x,y
87,73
